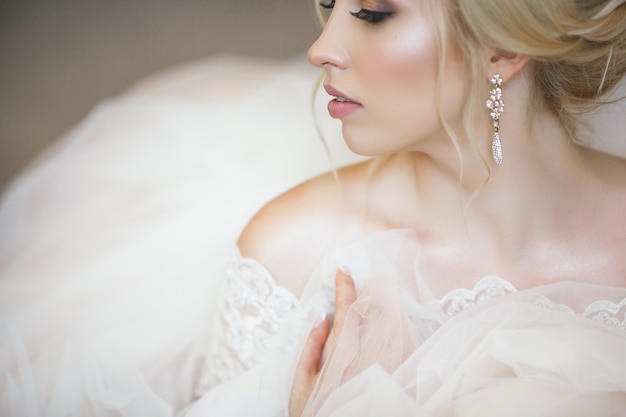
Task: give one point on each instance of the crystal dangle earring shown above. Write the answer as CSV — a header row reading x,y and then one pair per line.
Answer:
x,y
495,104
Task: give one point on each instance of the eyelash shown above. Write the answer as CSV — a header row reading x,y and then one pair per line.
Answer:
x,y
369,16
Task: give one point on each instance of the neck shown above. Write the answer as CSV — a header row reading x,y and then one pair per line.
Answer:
x,y
507,208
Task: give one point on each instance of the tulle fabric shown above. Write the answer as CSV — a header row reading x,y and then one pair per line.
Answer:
x,y
512,358
530,353
115,243
554,350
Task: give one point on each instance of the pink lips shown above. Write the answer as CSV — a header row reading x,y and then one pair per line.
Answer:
x,y
342,105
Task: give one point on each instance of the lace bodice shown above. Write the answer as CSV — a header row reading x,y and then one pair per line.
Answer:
x,y
254,306
251,310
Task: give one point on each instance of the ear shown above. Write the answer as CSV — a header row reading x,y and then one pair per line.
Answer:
x,y
505,63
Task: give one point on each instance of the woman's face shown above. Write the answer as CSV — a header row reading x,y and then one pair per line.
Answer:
x,y
382,56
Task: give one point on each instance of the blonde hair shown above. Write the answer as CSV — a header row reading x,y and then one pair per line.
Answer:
x,y
577,48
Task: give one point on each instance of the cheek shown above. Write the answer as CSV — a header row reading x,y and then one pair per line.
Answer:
x,y
402,80
398,71
402,60
401,76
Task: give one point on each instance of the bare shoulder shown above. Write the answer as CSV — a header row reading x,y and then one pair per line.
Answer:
x,y
292,233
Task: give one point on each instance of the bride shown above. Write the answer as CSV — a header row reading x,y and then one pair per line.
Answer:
x,y
479,234
473,265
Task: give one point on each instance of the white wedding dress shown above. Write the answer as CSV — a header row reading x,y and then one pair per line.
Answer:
x,y
490,350
114,296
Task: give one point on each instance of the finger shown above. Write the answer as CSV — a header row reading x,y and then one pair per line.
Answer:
x,y
312,352
345,295
308,368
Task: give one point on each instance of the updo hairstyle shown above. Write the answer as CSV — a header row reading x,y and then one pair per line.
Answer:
x,y
577,48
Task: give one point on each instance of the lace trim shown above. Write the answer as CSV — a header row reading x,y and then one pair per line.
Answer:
x,y
602,311
458,300
252,309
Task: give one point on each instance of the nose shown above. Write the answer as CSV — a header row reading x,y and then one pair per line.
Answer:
x,y
328,50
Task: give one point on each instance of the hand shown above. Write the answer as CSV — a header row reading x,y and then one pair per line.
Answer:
x,y
308,368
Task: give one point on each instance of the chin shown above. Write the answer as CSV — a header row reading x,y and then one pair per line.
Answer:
x,y
362,150
364,144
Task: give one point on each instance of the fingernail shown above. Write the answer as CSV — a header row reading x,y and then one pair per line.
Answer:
x,y
344,268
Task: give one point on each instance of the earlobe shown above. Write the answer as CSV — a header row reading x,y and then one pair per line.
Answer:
x,y
506,63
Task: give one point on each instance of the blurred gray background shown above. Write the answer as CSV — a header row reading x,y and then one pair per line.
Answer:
x,y
58,58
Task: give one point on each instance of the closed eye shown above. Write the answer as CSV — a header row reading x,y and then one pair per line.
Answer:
x,y
329,5
371,16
